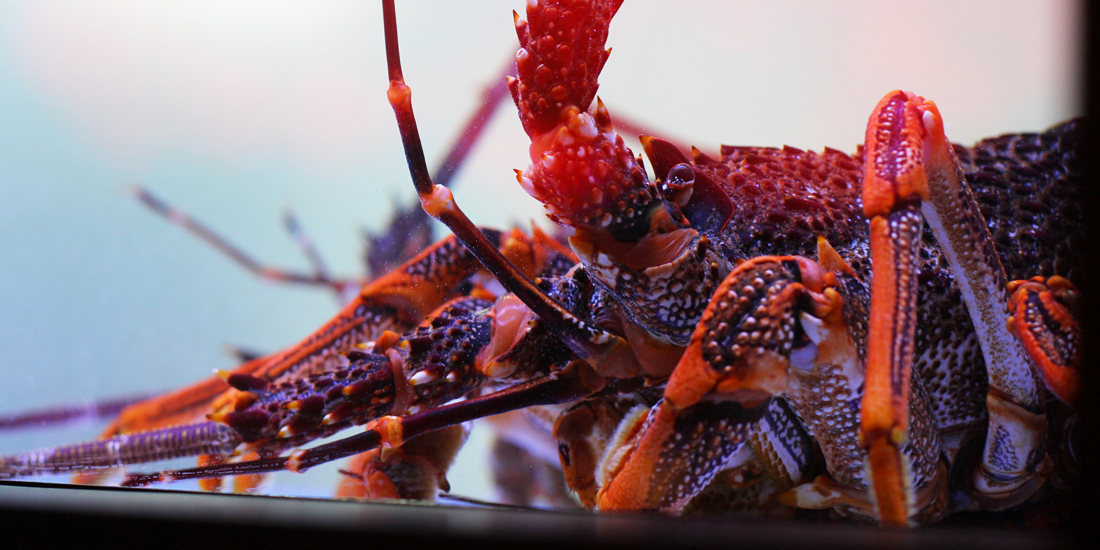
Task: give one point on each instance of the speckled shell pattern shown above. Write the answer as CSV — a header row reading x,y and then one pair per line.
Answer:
x,y
1025,184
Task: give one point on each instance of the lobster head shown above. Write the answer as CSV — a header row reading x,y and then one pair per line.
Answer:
x,y
629,232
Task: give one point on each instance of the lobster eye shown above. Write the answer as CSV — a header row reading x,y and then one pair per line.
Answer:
x,y
677,186
681,174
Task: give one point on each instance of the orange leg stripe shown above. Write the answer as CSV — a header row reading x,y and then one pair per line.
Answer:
x,y
210,484
887,479
893,322
885,409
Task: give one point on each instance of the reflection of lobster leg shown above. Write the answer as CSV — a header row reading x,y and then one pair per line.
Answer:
x,y
414,471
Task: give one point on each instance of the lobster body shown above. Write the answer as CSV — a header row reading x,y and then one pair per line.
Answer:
x,y
690,316
1028,185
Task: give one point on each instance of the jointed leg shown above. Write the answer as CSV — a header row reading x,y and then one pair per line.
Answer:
x,y
909,163
894,182
738,358
1011,468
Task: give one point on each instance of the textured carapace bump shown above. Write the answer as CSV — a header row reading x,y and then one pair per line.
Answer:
x,y
440,364
437,360
782,198
560,58
1027,189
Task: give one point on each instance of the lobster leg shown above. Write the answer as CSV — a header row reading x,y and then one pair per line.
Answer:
x,y
1012,465
911,169
1044,321
736,361
893,185
780,456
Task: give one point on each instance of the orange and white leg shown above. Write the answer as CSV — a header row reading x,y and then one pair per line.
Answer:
x,y
894,184
911,173
737,360
1014,463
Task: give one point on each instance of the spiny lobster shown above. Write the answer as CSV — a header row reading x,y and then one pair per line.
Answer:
x,y
681,233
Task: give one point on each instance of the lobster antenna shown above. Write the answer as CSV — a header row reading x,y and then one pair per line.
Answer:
x,y
562,387
121,450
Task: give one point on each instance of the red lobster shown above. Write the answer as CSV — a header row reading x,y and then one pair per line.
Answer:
x,y
694,292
